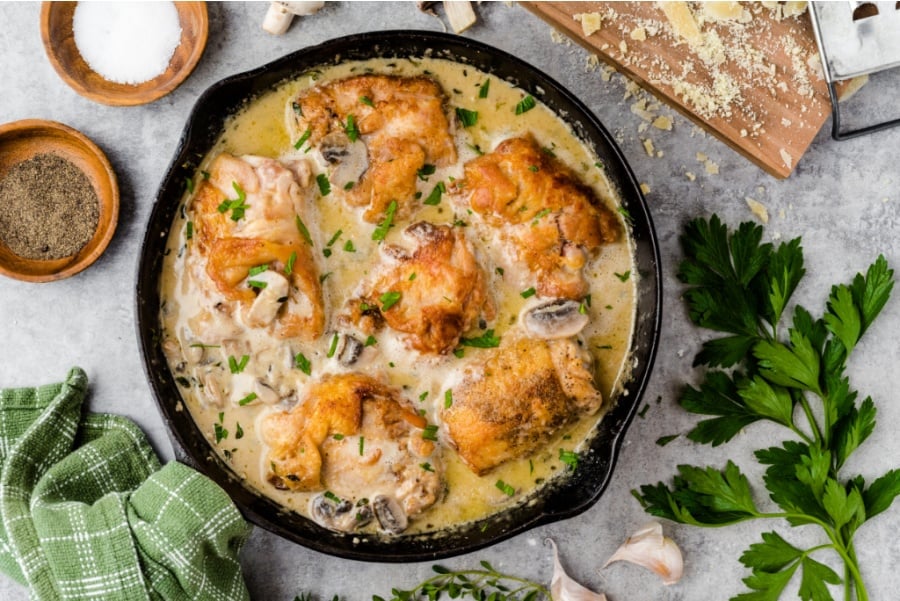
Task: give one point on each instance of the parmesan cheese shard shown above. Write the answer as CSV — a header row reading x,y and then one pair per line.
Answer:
x,y
638,33
852,87
758,209
711,168
726,11
682,21
786,158
648,147
590,22
662,122
645,188
690,175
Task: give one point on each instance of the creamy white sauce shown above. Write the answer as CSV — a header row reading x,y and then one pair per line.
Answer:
x,y
265,128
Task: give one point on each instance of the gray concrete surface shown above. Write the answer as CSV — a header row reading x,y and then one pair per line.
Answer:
x,y
843,200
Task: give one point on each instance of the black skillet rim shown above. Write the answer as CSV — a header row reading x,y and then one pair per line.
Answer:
x,y
571,495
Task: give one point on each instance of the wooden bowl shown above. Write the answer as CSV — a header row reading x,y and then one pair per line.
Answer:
x,y
59,42
21,140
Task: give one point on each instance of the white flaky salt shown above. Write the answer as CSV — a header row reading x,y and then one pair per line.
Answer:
x,y
127,42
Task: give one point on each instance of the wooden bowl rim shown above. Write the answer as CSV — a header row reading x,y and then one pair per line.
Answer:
x,y
11,133
164,83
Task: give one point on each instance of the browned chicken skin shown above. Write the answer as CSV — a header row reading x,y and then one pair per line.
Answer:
x,y
402,122
513,403
266,235
551,221
318,443
440,286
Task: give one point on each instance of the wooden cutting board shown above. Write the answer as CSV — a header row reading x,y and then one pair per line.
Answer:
x,y
756,85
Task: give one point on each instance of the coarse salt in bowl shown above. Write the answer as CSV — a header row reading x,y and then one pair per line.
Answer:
x,y
129,42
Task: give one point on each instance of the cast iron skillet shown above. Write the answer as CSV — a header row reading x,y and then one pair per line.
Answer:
x,y
570,495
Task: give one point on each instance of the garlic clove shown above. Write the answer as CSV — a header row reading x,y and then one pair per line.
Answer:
x,y
649,548
564,588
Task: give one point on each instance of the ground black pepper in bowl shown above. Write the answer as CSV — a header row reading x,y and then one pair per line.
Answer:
x,y
48,208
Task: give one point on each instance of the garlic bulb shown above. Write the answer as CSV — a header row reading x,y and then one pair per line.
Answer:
x,y
649,548
564,588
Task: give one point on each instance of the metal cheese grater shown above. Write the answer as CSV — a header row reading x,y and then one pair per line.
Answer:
x,y
855,41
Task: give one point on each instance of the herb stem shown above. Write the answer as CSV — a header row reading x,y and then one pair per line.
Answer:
x,y
813,424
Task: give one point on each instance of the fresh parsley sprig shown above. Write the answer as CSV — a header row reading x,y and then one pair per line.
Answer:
x,y
484,584
793,376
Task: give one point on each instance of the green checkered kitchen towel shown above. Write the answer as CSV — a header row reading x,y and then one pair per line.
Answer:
x,y
87,512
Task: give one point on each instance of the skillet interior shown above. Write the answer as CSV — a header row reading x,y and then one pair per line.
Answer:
x,y
569,495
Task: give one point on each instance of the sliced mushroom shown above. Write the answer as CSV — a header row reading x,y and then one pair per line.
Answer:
x,y
349,160
390,514
212,390
280,14
349,350
265,393
269,300
343,516
560,318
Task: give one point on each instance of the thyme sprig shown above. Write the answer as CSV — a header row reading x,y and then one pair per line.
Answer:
x,y
486,584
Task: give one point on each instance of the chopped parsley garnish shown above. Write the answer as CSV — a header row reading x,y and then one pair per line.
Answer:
x,y
237,366
389,299
624,213
486,340
528,293
205,174
548,151
426,170
333,346
484,88
334,238
534,168
258,284
324,277
289,266
426,466
430,432
412,276
324,184
570,458
623,277
304,231
476,149
540,215
525,105
257,270
599,165
189,182
349,185
423,396
351,129
201,345
362,445
505,488
387,223
366,101
448,398
220,432
248,399
302,140
459,352
371,340
237,205
466,117
434,198
338,436
302,363
238,431
348,246
331,496
499,271
326,252
189,230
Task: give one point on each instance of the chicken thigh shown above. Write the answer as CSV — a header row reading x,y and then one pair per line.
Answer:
x,y
247,248
399,121
550,222
432,293
351,436
512,404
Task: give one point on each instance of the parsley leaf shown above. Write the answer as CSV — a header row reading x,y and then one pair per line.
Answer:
x,y
793,375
